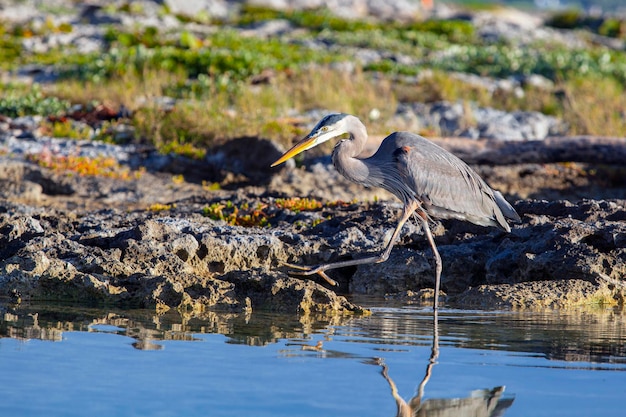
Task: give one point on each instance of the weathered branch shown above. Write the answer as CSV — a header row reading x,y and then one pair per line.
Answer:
x,y
588,149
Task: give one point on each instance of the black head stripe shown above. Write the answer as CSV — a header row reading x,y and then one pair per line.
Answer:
x,y
330,120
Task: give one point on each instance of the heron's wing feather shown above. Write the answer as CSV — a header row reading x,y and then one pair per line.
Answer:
x,y
446,186
508,210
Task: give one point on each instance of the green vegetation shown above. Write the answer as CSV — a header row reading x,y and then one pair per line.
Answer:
x,y
237,215
65,128
260,215
224,55
16,101
575,19
316,20
226,84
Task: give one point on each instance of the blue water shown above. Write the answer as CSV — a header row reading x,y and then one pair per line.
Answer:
x,y
115,364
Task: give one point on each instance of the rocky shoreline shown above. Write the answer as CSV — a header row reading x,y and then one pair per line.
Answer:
x,y
101,240
162,237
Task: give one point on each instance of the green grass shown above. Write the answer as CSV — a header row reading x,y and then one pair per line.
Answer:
x,y
224,55
317,20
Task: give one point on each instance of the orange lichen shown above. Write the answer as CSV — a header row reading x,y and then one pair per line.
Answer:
x,y
83,165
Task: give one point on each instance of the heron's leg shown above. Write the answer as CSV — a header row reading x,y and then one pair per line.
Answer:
x,y
438,266
416,401
403,407
407,211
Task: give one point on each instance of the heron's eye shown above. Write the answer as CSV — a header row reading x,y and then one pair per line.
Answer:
x,y
325,129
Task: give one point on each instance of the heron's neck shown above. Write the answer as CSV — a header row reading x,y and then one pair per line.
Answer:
x,y
345,157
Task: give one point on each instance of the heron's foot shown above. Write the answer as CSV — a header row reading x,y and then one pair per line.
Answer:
x,y
311,270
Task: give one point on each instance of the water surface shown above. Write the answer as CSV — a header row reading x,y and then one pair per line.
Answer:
x,y
60,361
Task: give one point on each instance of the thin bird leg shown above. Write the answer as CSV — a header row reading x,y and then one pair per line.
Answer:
x,y
407,211
416,401
438,266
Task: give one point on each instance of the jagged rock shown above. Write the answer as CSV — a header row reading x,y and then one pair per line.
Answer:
x,y
285,294
582,242
188,261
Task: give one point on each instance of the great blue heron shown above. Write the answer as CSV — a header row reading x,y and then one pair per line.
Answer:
x,y
430,181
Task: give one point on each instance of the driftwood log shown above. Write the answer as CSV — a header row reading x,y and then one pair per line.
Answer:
x,y
587,149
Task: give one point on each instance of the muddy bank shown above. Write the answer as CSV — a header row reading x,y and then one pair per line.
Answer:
x,y
104,241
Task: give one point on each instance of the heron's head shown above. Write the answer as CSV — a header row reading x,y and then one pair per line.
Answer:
x,y
329,127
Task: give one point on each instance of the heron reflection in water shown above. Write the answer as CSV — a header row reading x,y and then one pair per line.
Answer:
x,y
430,181
480,403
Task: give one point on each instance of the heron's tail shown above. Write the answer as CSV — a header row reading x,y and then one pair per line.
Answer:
x,y
507,210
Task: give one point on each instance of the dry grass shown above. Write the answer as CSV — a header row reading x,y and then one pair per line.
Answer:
x,y
595,106
440,86
588,105
348,92
228,113
130,89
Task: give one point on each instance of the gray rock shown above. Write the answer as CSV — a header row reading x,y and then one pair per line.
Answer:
x,y
26,191
29,123
566,242
161,261
35,73
268,28
457,119
191,262
179,258
521,28
397,10
213,8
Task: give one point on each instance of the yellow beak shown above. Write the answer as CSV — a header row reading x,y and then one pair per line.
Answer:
x,y
305,144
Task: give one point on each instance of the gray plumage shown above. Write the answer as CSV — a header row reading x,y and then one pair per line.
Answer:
x,y
430,181
412,167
